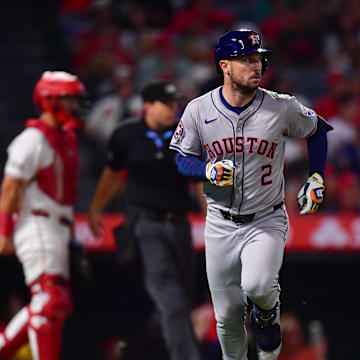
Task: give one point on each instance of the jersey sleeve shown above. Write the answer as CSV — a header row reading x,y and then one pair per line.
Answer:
x,y
186,138
27,154
116,150
300,121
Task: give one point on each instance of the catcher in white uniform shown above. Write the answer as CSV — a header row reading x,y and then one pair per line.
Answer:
x,y
233,138
36,214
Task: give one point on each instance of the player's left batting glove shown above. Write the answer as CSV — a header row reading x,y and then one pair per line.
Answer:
x,y
311,195
220,173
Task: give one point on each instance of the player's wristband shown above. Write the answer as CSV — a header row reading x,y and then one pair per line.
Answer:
x,y
7,224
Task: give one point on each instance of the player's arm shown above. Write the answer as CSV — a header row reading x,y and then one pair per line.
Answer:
x,y
186,141
27,153
317,148
311,194
219,173
302,122
11,194
191,166
111,182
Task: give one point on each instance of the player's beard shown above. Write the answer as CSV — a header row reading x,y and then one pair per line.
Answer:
x,y
241,87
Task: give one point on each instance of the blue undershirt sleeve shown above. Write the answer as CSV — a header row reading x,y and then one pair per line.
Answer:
x,y
317,148
191,166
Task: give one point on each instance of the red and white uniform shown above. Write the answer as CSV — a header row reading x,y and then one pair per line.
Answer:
x,y
41,237
47,159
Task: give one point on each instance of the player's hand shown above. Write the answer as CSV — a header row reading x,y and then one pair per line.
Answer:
x,y
95,224
220,173
6,246
311,195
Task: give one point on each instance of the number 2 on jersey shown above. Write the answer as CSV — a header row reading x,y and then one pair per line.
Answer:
x,y
266,169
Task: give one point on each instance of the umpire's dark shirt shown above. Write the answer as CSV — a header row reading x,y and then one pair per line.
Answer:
x,y
153,180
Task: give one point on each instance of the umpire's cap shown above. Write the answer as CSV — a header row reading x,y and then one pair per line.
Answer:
x,y
163,91
240,42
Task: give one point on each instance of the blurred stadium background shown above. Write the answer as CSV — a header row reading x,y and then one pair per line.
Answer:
x,y
116,47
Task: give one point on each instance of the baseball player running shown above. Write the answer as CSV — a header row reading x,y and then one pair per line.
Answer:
x,y
233,138
39,186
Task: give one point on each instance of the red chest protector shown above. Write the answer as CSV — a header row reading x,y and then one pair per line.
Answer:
x,y
59,180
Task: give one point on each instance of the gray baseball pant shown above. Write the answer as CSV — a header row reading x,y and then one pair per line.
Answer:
x,y
243,261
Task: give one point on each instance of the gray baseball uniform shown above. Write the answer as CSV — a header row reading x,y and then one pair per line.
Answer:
x,y
243,259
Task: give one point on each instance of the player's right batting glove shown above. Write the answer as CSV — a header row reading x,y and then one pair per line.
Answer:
x,y
220,173
311,195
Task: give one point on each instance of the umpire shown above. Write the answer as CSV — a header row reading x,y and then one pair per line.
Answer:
x,y
157,197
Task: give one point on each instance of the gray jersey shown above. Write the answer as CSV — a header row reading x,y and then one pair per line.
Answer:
x,y
253,140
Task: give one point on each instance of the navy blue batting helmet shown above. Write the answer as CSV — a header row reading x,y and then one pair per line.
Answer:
x,y
240,42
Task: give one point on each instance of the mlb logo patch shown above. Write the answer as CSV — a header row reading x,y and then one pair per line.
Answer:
x,y
179,132
307,112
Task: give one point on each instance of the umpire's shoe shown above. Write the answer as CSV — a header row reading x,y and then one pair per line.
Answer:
x,y
267,324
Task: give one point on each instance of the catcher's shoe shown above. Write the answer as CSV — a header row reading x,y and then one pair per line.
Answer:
x,y
267,325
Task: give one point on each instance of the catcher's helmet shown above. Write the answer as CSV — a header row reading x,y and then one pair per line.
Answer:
x,y
54,85
240,42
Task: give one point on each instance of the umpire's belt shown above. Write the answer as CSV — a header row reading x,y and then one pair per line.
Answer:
x,y
244,219
62,219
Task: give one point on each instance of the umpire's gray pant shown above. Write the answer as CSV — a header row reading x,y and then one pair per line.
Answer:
x,y
168,260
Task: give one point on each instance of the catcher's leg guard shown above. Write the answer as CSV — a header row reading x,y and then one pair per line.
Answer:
x,y
45,337
267,324
41,321
50,305
15,334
